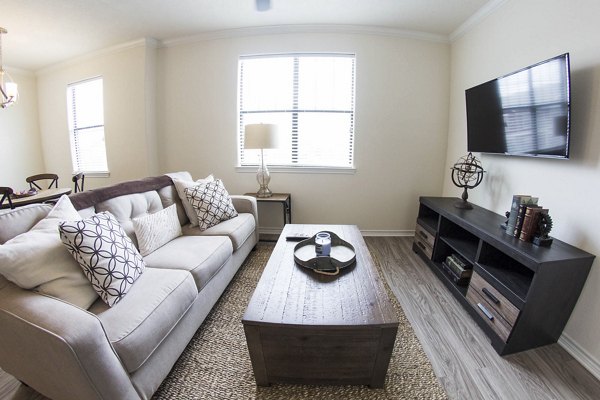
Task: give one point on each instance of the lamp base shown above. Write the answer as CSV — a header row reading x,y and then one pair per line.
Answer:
x,y
264,192
263,177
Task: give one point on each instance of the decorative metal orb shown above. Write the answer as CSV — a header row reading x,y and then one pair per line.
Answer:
x,y
467,173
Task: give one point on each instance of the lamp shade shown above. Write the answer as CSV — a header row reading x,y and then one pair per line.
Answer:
x,y
261,136
11,89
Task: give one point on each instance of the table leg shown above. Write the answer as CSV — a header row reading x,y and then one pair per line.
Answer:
x,y
288,211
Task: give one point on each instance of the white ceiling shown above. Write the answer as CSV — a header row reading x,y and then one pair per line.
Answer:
x,y
45,32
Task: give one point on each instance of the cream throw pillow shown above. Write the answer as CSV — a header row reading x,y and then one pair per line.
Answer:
x,y
155,230
180,186
38,260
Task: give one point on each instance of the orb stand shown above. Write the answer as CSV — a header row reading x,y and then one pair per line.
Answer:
x,y
464,204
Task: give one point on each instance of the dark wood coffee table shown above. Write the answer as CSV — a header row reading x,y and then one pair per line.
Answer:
x,y
303,327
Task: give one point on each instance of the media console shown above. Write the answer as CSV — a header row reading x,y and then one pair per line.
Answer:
x,y
520,294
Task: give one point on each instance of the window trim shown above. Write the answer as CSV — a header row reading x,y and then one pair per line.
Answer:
x,y
71,132
300,168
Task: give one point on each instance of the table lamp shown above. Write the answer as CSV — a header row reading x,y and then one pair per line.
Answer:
x,y
261,136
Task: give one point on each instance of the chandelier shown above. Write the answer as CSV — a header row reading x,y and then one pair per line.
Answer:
x,y
8,89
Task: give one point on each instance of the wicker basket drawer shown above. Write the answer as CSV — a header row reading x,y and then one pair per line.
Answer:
x,y
494,298
489,314
424,241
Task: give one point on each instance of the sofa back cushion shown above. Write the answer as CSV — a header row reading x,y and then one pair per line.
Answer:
x,y
126,208
168,196
19,220
128,200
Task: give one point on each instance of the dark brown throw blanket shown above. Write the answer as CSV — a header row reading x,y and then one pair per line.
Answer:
x,y
91,197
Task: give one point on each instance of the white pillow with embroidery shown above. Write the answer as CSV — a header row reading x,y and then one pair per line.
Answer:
x,y
156,230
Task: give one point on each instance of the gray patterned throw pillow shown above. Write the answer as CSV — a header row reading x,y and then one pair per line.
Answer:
x,y
106,254
211,202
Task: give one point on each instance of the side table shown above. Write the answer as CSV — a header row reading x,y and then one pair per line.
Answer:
x,y
284,198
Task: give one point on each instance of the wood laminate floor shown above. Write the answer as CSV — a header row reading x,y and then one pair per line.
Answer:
x,y
462,357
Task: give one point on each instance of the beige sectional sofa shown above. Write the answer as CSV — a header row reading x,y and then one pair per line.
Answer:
x,y
124,351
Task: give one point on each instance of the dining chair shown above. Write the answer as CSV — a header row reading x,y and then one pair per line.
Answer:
x,y
32,180
78,182
6,192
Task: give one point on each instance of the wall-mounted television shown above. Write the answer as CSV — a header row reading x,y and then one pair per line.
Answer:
x,y
525,113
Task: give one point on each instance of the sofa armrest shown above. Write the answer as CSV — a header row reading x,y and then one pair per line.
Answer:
x,y
246,204
58,349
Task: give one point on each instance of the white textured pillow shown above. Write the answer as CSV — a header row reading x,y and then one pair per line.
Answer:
x,y
37,260
107,255
155,230
180,186
212,203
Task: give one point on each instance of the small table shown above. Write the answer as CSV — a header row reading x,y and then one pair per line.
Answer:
x,y
284,198
302,327
40,197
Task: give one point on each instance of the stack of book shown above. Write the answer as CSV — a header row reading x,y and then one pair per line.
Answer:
x,y
524,217
458,269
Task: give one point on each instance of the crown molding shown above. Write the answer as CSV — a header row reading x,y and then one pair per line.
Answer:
x,y
316,28
145,42
19,71
476,18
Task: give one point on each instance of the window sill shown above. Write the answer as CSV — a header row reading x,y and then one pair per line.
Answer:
x,y
298,170
97,174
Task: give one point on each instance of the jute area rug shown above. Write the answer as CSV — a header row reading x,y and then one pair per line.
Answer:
x,y
216,364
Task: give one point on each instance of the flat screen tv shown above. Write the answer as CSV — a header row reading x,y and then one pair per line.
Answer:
x,y
525,113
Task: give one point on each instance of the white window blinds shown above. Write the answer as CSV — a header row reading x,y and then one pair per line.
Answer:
x,y
310,97
86,126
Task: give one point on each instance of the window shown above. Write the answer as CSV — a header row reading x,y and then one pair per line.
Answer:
x,y
311,99
86,126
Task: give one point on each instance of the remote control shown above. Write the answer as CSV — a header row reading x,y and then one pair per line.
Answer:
x,y
297,237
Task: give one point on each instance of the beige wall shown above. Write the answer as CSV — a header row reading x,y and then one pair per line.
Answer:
x,y
20,148
519,34
128,115
402,88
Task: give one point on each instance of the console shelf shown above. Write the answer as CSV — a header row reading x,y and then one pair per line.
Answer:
x,y
520,294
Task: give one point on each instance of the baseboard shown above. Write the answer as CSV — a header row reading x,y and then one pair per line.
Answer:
x,y
586,359
370,232
366,232
269,231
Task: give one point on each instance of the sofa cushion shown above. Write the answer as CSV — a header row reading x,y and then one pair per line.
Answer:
x,y
154,230
37,259
139,323
21,219
130,206
109,259
237,229
211,202
168,196
202,256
